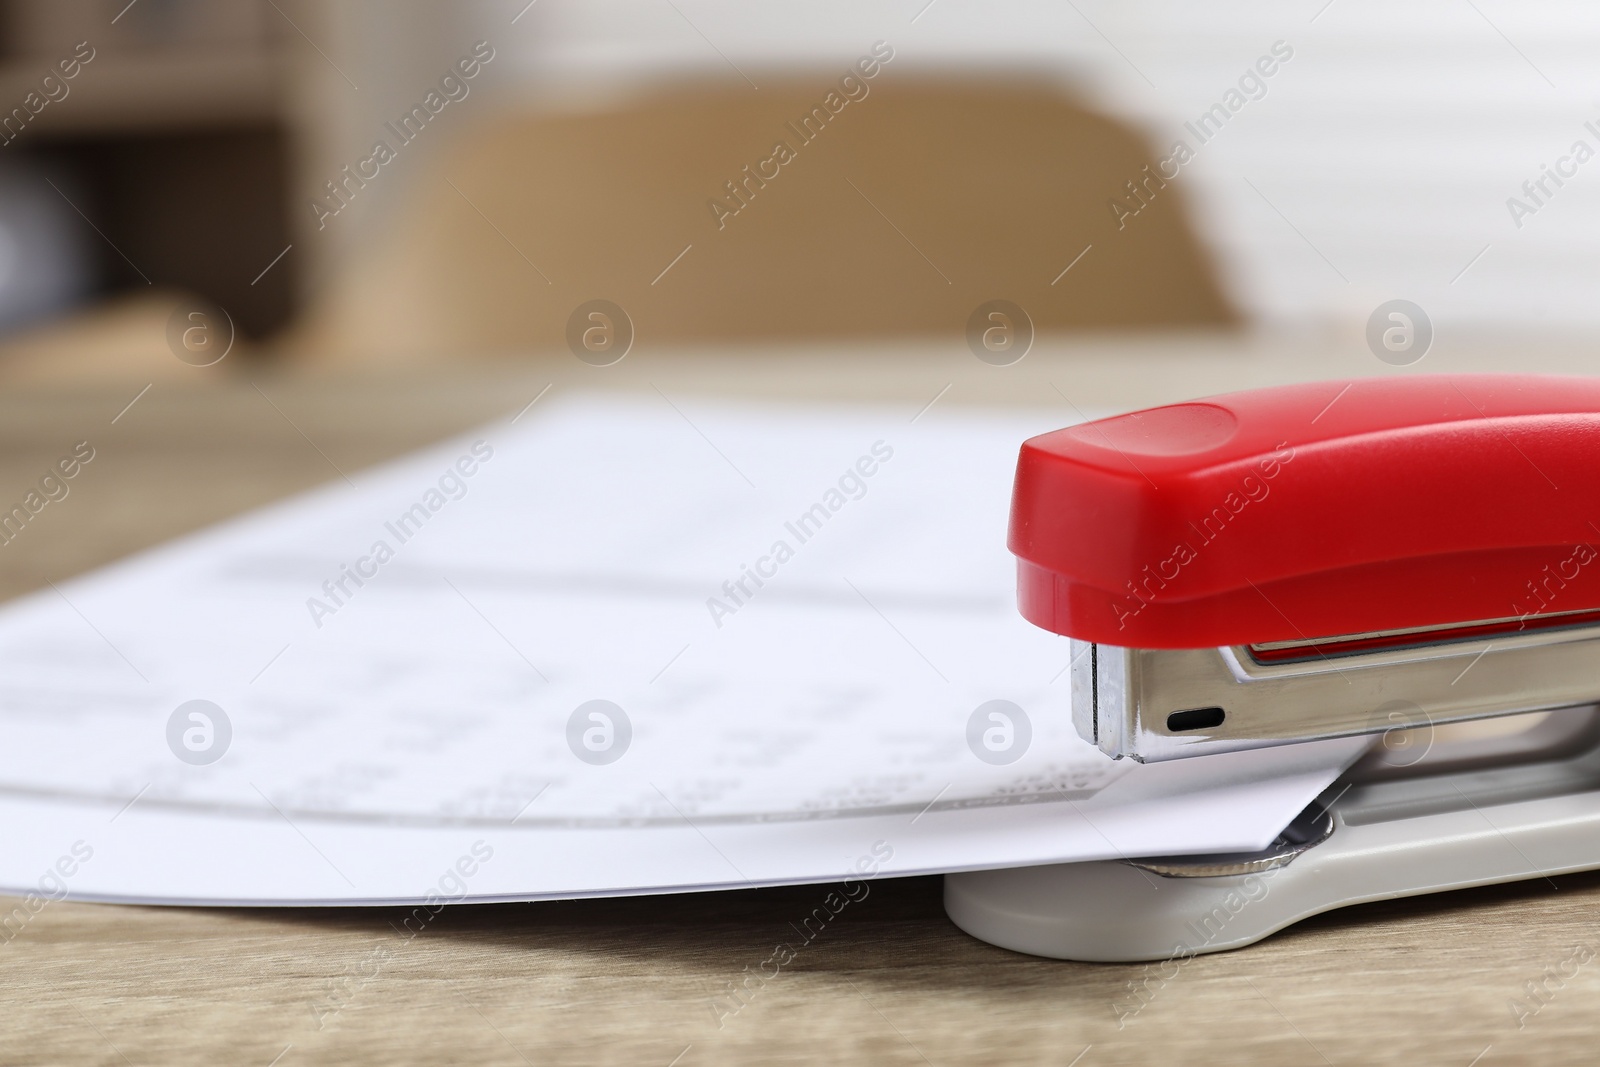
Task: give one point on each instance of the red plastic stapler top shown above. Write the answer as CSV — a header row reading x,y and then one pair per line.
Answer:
x,y
1302,511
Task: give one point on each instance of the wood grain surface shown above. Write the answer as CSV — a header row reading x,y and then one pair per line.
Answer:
x,y
636,981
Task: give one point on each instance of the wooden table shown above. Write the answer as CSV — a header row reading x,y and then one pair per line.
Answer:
x,y
1428,980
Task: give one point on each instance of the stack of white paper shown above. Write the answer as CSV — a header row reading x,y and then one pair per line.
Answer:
x,y
789,616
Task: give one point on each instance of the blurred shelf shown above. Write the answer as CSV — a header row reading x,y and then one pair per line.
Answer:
x,y
150,91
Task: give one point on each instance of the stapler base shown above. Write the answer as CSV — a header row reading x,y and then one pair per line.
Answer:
x,y
1471,818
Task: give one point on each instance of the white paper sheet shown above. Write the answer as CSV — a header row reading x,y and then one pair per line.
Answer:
x,y
409,735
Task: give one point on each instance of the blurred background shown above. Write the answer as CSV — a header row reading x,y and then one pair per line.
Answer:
x,y
1336,154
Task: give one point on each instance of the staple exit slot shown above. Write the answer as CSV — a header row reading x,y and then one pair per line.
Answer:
x,y
1195,719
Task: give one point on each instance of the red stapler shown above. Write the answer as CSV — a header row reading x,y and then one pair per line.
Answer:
x,y
1380,556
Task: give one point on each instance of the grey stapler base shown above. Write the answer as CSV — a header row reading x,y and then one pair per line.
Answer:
x,y
1393,835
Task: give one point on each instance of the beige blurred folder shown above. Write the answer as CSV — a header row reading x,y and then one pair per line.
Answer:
x,y
903,212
